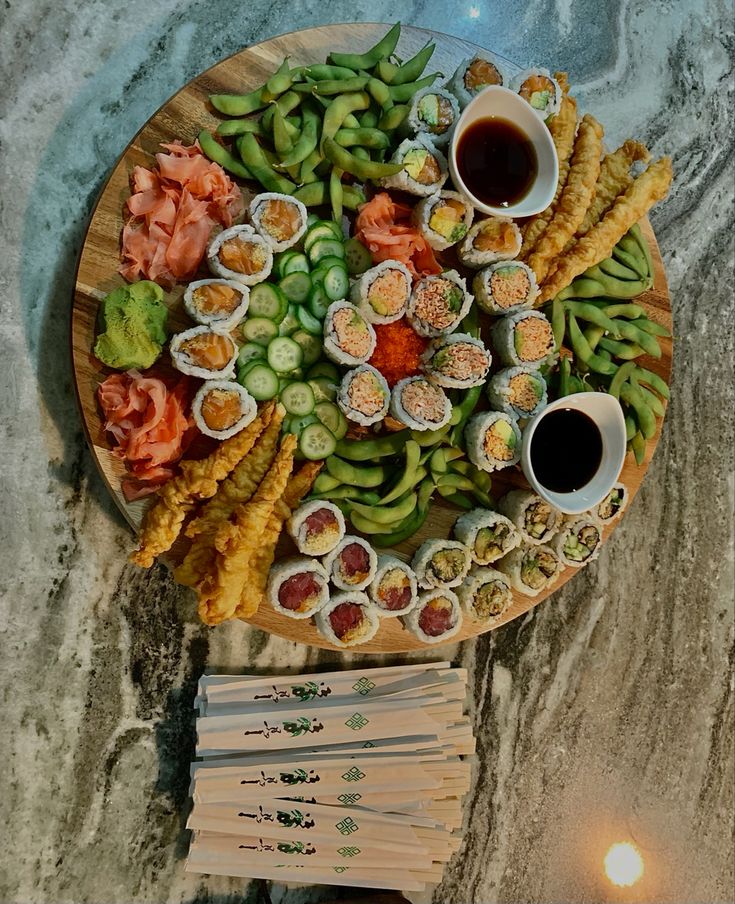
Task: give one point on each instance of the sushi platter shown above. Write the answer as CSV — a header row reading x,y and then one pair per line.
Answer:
x,y
270,324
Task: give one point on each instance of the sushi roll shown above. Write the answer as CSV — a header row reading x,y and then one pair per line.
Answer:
x,y
474,74
394,589
518,391
493,440
490,240
240,254
364,395
382,292
438,304
444,218
424,168
505,287
280,219
222,408
612,506
531,569
204,352
436,617
433,113
524,338
348,619
316,527
348,338
457,361
540,89
220,303
441,563
488,535
297,587
578,542
535,518
486,594
419,404
351,564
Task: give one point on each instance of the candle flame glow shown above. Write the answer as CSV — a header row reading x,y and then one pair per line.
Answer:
x,y
623,864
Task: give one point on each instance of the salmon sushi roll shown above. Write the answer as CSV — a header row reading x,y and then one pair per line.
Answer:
x,y
348,338
493,441
204,352
492,239
420,405
280,219
505,288
297,587
222,408
531,569
316,527
433,113
518,391
525,338
540,89
382,292
364,395
424,168
444,218
241,255
220,303
486,594
348,619
438,304
351,564
436,617
393,590
457,361
474,74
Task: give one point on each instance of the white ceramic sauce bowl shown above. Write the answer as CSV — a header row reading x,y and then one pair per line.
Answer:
x,y
607,414
503,103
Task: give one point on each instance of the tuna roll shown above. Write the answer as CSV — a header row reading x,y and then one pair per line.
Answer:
x,y
441,563
240,254
382,292
316,527
436,617
457,361
351,564
220,303
486,594
438,304
348,619
297,587
364,395
536,519
505,287
493,440
488,535
393,590
348,338
205,353
222,408
524,338
490,240
419,404
280,219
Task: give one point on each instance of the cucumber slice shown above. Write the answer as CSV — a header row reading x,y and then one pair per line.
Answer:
x,y
267,300
299,423
316,442
319,301
357,257
324,388
309,322
286,425
297,263
331,260
325,248
284,355
290,322
249,352
296,286
280,261
261,382
324,369
298,399
332,418
311,346
259,329
312,219
336,283
283,382
322,230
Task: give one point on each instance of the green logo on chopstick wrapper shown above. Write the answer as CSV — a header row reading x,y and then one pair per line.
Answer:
x,y
356,721
348,851
347,826
363,686
349,798
353,775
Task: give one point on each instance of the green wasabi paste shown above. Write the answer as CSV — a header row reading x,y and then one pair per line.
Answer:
x,y
132,326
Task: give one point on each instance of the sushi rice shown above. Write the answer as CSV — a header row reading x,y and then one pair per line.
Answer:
x,y
189,352
424,167
381,294
486,594
438,304
361,617
434,610
524,338
578,541
444,218
441,563
536,519
220,303
420,405
493,440
348,338
457,361
612,506
393,576
505,288
540,89
475,73
488,535
240,254
283,584
264,211
518,391
222,408
490,240
334,564
531,569
433,113
316,527
364,395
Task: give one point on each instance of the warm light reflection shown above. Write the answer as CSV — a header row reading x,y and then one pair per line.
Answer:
x,y
623,864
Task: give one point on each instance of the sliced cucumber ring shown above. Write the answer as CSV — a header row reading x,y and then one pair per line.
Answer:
x,y
317,442
357,257
324,369
325,389
336,283
298,399
249,352
284,355
311,346
309,322
260,381
297,263
296,286
267,300
325,248
332,418
259,329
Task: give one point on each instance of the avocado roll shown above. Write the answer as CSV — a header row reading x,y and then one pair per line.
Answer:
x,y
485,594
280,219
364,395
488,535
348,338
382,292
531,569
222,408
348,619
240,254
578,542
536,519
612,506
436,617
540,89
424,167
493,440
441,563
433,113
394,589
316,527
524,338
419,404
444,218
204,352
351,564
438,304
518,391
220,303
457,361
474,74
505,288
297,587
490,240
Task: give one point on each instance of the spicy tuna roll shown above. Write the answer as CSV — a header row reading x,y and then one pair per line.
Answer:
x,y
436,617
493,440
222,408
457,361
348,619
382,292
540,89
441,563
424,167
505,287
486,594
351,564
578,541
612,506
393,590
240,254
434,113
280,219
297,587
419,404
518,391
444,218
348,338
438,304
316,527
217,302
535,518
488,535
490,240
524,338
531,569
364,395
474,74
204,352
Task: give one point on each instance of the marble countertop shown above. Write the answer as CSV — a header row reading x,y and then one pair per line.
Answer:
x,y
604,715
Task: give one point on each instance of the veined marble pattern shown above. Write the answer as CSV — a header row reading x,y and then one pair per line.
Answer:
x,y
604,715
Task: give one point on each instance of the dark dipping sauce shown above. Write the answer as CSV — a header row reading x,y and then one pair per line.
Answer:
x,y
496,161
566,450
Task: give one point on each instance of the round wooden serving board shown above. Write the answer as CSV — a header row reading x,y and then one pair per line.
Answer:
x,y
182,118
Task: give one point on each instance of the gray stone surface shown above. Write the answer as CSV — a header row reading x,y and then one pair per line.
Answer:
x,y
606,714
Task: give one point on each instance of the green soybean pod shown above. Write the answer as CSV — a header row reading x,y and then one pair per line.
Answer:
x,y
339,109
585,353
636,261
307,140
286,103
591,314
631,428
309,164
638,445
384,48
214,150
401,93
393,118
612,267
623,372
653,380
255,159
321,71
645,417
340,86
386,71
239,127
628,330
558,321
281,139
279,82
363,450
651,327
368,119
239,104
380,93
335,193
629,311
411,70
637,234
593,334
362,137
652,400
361,169
352,197
312,194
565,372
626,351
583,287
361,153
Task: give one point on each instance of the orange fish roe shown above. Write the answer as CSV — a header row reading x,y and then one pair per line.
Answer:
x,y
398,350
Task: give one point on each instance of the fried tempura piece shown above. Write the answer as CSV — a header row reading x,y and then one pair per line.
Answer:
x,y
651,186
197,480
220,592
260,564
613,180
575,198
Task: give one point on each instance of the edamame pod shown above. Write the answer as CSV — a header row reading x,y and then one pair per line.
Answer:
x,y
239,127
645,417
565,372
313,194
558,322
214,150
618,288
651,327
279,82
393,118
653,380
628,330
592,314
414,520
614,268
282,140
629,311
364,137
383,49
409,71
306,142
339,109
335,193
388,514
638,445
324,483
348,473
239,104
256,161
361,169
286,103
368,119
321,71
618,380
365,449
412,473
329,87
626,351
401,93
585,353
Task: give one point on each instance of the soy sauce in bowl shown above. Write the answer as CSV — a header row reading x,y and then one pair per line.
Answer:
x,y
566,450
